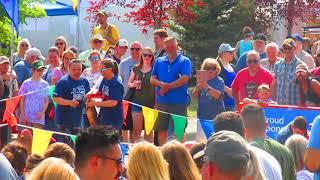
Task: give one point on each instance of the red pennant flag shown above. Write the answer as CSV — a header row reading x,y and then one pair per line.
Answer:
x,y
9,113
125,107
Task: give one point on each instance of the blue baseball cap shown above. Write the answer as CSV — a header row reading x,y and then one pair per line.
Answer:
x,y
225,48
298,37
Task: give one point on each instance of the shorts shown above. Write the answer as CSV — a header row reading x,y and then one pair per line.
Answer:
x,y
128,124
163,120
135,108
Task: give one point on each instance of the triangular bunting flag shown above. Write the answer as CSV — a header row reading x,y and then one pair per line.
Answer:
x,y
9,113
150,117
51,90
73,138
207,127
74,4
40,141
179,125
125,107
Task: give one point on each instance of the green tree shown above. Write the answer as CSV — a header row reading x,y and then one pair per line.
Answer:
x,y
221,21
28,8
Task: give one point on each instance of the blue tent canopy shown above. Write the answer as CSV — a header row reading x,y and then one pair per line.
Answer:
x,y
58,9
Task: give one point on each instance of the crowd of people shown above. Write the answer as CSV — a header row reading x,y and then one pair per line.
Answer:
x,y
90,87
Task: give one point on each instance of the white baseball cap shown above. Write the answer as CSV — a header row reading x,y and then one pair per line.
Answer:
x,y
35,52
122,43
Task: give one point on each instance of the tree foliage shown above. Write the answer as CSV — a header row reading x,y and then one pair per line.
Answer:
x,y
148,13
28,8
290,10
220,22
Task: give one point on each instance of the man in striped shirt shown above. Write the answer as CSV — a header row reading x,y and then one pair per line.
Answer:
x,y
285,90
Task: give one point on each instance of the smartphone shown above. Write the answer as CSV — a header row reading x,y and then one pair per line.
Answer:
x,y
202,76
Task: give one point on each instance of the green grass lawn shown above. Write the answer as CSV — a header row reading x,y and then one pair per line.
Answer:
x,y
192,109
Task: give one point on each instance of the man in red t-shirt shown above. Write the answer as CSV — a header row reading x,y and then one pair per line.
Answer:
x,y
247,80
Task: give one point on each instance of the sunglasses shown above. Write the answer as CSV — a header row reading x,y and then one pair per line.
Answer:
x,y
135,49
104,69
94,58
211,68
117,161
24,45
97,42
40,70
147,55
255,61
301,72
61,43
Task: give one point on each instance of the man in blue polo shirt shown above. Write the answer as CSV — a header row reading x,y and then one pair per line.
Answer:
x,y
170,75
259,45
69,94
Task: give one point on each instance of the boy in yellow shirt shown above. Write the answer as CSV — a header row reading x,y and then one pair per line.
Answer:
x,y
108,31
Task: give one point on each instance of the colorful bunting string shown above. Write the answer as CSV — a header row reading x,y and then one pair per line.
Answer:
x,y
150,114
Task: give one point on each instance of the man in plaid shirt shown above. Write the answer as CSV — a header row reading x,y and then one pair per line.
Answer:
x,y
285,89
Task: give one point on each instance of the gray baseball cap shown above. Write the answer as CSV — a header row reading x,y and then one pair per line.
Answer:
x,y
227,150
225,48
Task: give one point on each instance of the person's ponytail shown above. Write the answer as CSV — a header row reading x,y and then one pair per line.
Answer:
x,y
115,68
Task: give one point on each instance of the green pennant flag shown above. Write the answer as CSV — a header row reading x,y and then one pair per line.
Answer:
x,y
179,125
73,138
51,89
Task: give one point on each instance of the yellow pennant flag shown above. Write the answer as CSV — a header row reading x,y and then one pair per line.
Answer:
x,y
150,117
40,141
74,4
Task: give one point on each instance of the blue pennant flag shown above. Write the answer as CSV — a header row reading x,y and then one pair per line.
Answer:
x,y
11,7
207,127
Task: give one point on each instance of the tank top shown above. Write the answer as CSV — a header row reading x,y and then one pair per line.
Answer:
x,y
228,78
310,96
245,46
146,95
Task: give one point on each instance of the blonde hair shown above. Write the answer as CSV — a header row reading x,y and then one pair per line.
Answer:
x,y
24,40
297,145
181,164
208,62
146,162
52,169
263,87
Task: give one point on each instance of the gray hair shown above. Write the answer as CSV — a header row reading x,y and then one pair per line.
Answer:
x,y
297,145
272,45
253,53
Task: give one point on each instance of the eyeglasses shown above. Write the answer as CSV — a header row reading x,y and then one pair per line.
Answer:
x,y
255,61
94,58
97,42
211,68
61,43
147,55
135,49
118,161
287,48
104,69
24,45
